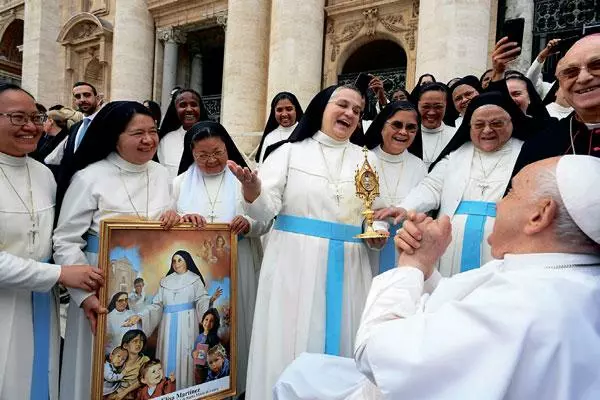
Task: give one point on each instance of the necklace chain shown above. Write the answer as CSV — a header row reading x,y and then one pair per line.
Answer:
x,y
131,199
213,203
335,183
392,195
484,185
431,159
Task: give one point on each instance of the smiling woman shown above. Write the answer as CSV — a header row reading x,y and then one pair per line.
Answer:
x,y
312,255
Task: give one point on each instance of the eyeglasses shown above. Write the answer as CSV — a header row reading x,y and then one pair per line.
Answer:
x,y
205,157
20,119
495,124
572,72
397,126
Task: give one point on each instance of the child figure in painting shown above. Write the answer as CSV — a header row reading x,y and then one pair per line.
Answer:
x,y
113,368
207,338
154,381
218,363
134,342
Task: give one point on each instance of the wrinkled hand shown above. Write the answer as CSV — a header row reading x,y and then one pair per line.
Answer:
x,y
504,53
249,179
397,213
376,85
408,237
169,219
195,219
378,243
91,308
83,277
240,225
548,50
437,235
131,321
216,295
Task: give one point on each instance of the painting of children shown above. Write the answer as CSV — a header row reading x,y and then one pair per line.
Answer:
x,y
154,382
113,368
218,363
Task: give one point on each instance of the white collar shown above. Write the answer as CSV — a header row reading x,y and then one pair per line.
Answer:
x,y
12,160
328,140
593,125
115,159
433,131
289,129
547,260
506,148
391,158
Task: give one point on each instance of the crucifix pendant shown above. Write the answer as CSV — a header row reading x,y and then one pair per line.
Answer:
x,y
337,193
33,231
483,187
212,216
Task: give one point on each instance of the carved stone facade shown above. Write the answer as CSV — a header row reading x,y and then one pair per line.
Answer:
x,y
351,25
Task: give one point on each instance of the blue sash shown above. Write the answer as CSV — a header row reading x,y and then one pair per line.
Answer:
x,y
337,234
477,212
387,255
93,243
41,305
174,309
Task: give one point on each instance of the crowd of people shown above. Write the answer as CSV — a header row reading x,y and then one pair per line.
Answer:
x,y
484,284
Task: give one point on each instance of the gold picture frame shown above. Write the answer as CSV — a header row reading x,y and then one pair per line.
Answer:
x,y
158,283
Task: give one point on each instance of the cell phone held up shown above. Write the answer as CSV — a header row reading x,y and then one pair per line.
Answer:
x,y
513,29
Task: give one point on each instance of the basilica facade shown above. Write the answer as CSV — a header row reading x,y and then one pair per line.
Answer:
x,y
239,53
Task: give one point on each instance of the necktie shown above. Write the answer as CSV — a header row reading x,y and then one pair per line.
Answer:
x,y
79,138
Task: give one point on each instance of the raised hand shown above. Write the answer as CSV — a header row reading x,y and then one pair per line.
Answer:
x,y
504,53
249,179
83,277
408,237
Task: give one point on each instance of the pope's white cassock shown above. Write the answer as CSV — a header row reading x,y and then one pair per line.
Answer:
x,y
169,151
191,196
519,328
105,189
434,141
309,186
398,174
28,302
275,136
465,185
177,310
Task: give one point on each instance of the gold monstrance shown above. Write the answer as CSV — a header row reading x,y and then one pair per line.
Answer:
x,y
367,189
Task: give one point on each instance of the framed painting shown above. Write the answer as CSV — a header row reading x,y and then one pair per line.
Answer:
x,y
170,328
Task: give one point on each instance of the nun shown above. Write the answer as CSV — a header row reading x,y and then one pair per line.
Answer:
x,y
186,109
462,91
114,175
432,102
206,191
388,137
286,111
315,274
469,177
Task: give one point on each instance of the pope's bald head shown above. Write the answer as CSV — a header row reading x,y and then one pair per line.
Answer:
x,y
584,42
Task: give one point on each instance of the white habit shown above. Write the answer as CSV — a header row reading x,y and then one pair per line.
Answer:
x,y
275,136
170,149
181,301
191,196
434,141
398,174
115,329
301,180
21,273
520,328
97,192
460,177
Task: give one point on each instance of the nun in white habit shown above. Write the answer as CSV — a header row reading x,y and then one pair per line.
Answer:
x,y
114,176
389,136
315,274
469,177
206,191
30,339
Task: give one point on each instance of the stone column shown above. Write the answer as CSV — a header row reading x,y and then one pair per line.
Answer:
x,y
172,38
245,68
453,38
133,51
296,48
523,9
42,63
196,73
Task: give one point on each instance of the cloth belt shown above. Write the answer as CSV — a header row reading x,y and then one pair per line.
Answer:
x,y
387,256
337,234
477,213
93,243
174,310
41,305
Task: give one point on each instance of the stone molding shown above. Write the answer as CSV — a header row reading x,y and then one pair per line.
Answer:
x,y
171,35
8,15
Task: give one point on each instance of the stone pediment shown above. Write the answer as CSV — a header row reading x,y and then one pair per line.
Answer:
x,y
84,27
